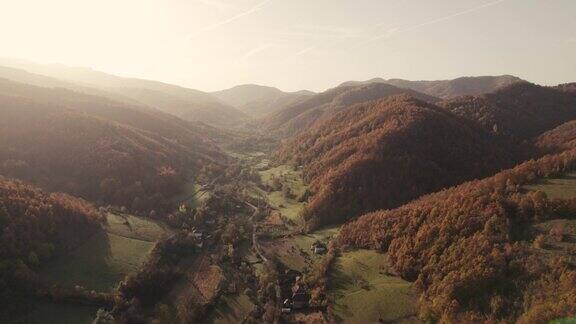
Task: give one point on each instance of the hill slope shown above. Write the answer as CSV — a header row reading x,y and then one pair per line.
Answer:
x,y
256,100
96,148
189,104
449,88
558,139
35,227
520,111
305,113
383,153
473,251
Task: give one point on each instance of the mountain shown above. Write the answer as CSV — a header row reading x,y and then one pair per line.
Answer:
x,y
98,149
305,113
189,104
449,88
520,111
473,252
257,101
383,153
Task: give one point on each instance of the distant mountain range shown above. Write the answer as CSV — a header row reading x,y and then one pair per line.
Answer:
x,y
256,100
189,104
303,114
463,86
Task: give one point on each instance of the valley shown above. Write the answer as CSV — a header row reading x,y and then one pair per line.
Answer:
x,y
370,202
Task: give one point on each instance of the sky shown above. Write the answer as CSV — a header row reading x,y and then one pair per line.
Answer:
x,y
296,44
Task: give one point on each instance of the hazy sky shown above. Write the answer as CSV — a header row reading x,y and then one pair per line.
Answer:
x,y
296,44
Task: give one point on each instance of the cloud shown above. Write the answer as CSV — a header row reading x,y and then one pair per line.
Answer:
x,y
396,31
242,14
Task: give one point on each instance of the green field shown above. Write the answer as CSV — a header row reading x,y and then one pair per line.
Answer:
x,y
100,263
289,208
231,309
44,312
191,194
363,293
294,251
137,228
557,188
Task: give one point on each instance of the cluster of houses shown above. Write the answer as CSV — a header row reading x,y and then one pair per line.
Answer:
x,y
296,292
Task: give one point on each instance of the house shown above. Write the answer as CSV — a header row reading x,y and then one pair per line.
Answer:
x,y
318,247
197,234
300,296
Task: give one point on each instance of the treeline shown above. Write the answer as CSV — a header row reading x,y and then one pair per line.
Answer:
x,y
381,154
470,248
35,227
97,149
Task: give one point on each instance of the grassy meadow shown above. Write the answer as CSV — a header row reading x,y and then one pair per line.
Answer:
x,y
108,256
100,263
290,208
557,188
294,251
364,293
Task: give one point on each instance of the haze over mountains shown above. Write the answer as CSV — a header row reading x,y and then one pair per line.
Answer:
x,y
189,104
256,100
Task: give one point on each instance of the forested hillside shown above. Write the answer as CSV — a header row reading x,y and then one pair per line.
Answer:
x,y
96,148
520,111
36,226
383,153
473,251
305,113
464,86
558,139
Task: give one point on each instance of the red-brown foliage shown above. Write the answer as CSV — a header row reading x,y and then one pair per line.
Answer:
x,y
520,111
558,139
469,249
384,153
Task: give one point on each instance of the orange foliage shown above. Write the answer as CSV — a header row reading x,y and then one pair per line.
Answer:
x,y
469,251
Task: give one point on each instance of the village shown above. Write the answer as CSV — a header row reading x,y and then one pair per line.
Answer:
x,y
235,227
